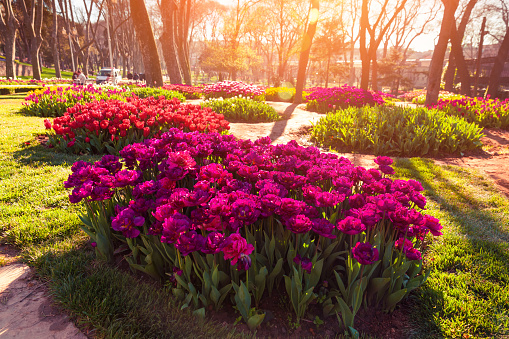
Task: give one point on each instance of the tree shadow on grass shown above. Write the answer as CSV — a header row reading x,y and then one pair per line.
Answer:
x,y
478,248
37,154
279,127
463,206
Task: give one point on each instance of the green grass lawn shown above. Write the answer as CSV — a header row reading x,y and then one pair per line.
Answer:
x,y
466,295
50,73
46,72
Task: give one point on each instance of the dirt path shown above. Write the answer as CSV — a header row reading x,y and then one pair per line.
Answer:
x,y
26,310
493,160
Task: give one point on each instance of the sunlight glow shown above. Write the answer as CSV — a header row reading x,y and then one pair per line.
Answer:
x,y
313,16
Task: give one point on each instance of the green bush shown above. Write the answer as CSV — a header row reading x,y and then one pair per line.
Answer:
x,y
285,94
242,109
145,92
11,89
396,131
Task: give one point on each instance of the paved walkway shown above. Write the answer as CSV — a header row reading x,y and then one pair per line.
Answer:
x,y
26,312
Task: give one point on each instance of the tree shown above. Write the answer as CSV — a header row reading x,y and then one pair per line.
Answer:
x,y
233,29
503,53
8,27
168,14
275,27
437,60
182,38
81,42
56,56
392,70
329,43
457,59
147,43
383,21
307,40
412,22
33,23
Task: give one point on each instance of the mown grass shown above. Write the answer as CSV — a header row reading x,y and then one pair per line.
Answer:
x,y
465,296
35,215
49,73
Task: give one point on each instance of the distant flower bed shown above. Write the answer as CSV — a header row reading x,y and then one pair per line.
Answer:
x,y
228,89
421,98
325,100
190,92
409,96
396,131
107,126
484,112
53,101
242,109
234,220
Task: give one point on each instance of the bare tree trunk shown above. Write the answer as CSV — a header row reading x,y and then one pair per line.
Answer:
x,y
498,66
479,56
182,40
168,13
147,43
33,20
56,55
307,40
10,52
450,74
327,72
456,55
364,23
461,64
437,61
351,76
85,61
67,21
8,28
374,73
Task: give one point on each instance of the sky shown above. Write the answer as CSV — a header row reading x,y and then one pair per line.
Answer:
x,y
425,42
422,43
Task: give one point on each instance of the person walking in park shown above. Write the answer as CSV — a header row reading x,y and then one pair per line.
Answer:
x,y
82,78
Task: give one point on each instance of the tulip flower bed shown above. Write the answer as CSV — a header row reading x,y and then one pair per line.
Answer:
x,y
242,109
421,99
107,126
409,96
221,217
486,113
229,89
284,94
324,100
190,92
396,131
53,101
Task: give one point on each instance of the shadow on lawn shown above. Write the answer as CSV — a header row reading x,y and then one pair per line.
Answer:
x,y
279,127
38,154
462,199
481,239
